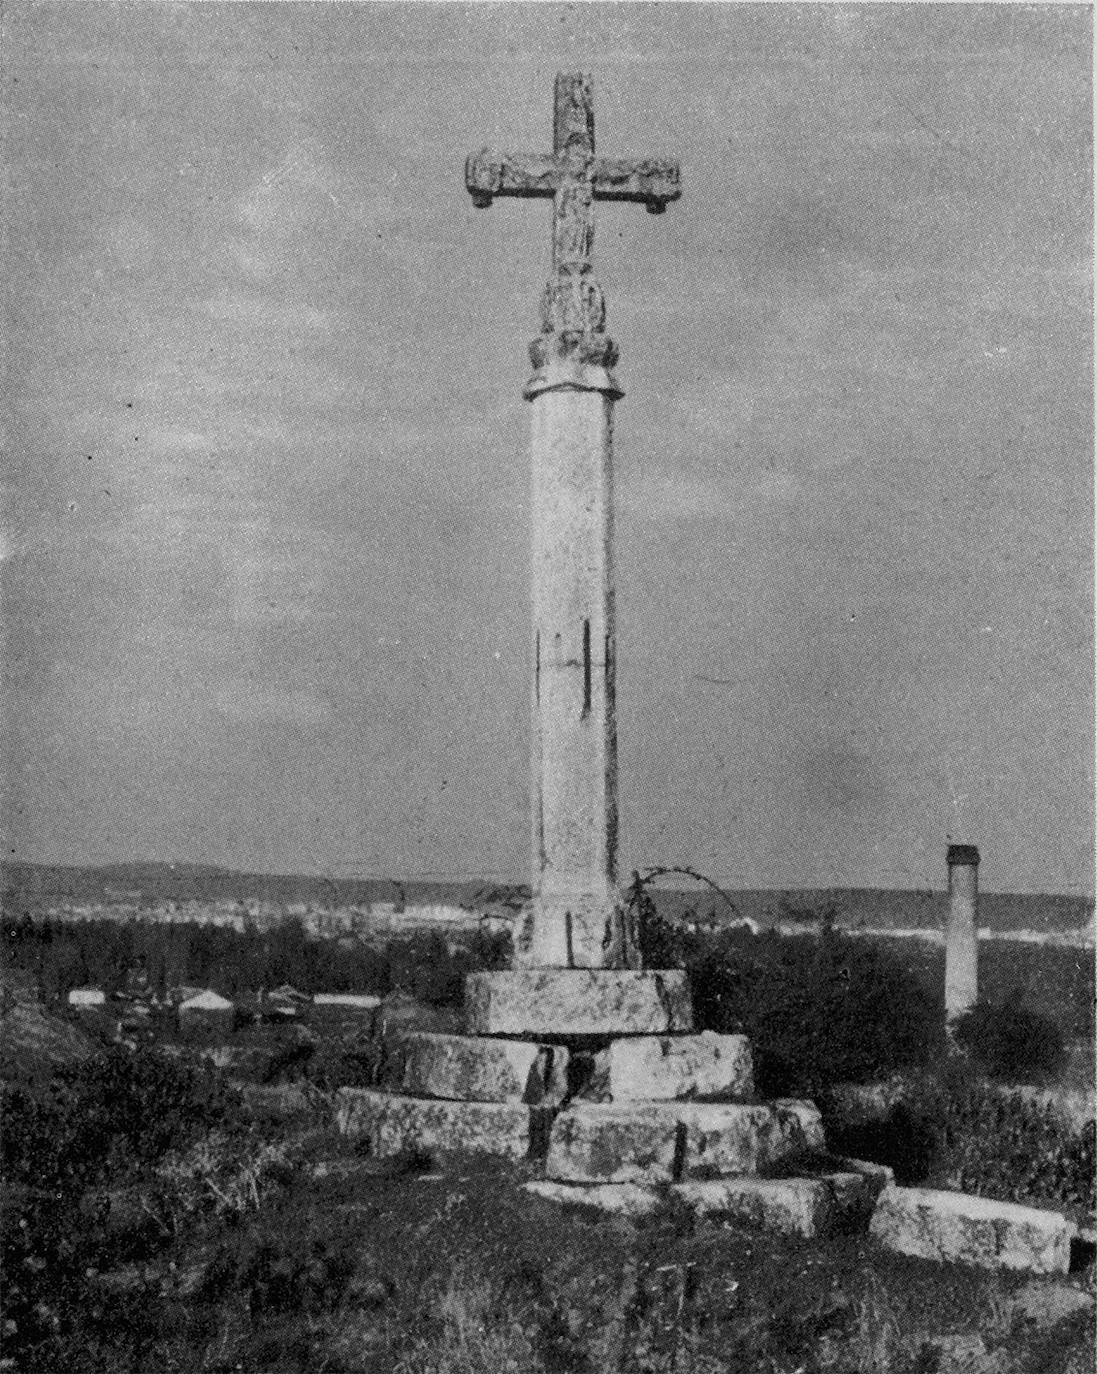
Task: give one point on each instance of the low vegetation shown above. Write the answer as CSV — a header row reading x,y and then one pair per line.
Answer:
x,y
155,1221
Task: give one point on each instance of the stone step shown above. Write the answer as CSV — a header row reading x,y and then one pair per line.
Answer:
x,y
555,1003
939,1225
482,1069
390,1124
808,1207
647,1068
666,1142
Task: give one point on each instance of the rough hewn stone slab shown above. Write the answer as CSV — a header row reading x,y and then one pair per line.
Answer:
x,y
595,1142
482,1069
790,1206
972,1230
733,1138
653,1142
665,1067
393,1124
531,1003
618,1199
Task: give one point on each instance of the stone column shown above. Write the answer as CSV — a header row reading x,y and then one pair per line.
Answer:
x,y
576,920
961,934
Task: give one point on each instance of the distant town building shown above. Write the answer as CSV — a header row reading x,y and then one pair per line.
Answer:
x,y
206,1013
84,998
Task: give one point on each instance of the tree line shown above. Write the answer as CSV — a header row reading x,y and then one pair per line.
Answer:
x,y
60,955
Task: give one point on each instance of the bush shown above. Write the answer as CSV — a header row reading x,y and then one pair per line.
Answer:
x,y
1012,1043
958,1131
818,1009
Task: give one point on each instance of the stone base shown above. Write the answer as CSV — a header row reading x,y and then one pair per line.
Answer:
x,y
808,1207
481,1069
664,1142
393,1125
972,1230
653,1068
788,1206
558,1003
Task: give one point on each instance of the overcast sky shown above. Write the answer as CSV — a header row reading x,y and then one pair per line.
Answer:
x,y
266,597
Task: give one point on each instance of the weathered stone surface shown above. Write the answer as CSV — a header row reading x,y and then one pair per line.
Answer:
x,y
664,1067
656,1142
604,1142
483,1069
393,1124
529,1003
972,1230
618,1199
725,1138
790,1206
798,1113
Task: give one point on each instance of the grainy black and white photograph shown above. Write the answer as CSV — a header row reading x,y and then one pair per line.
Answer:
x,y
548,688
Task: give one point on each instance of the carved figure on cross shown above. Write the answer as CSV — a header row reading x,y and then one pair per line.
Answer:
x,y
572,308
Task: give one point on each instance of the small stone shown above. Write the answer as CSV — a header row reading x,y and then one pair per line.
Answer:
x,y
958,1227
666,1067
789,1206
880,1176
618,1199
393,1125
482,1069
537,1002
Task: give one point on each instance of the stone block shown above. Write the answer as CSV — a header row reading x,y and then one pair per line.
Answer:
x,y
666,1067
725,1138
972,1230
653,1142
617,1199
789,1206
393,1125
560,1002
482,1069
604,1142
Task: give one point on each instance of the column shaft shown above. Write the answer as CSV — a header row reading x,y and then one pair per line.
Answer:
x,y
574,722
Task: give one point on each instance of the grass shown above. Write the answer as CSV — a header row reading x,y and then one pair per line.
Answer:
x,y
468,1273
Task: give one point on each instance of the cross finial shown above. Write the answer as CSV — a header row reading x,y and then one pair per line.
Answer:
x,y
572,308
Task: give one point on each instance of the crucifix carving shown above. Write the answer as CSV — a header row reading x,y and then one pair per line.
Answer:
x,y
573,309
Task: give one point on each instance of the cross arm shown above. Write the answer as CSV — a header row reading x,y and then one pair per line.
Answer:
x,y
654,181
489,174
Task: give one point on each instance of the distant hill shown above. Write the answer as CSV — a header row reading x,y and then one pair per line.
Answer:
x,y
34,887
881,908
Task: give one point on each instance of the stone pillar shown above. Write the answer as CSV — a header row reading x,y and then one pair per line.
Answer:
x,y
961,934
576,919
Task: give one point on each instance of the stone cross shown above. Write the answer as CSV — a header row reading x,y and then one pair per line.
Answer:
x,y
577,920
573,308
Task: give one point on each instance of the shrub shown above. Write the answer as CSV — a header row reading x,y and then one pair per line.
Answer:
x,y
819,1009
1010,1042
958,1131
